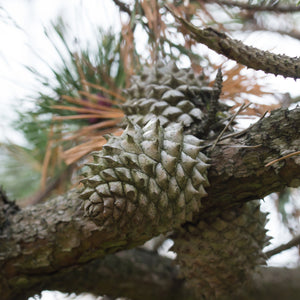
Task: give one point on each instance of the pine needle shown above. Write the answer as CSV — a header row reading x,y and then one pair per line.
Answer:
x,y
81,102
103,89
78,109
282,158
89,116
95,144
84,131
243,107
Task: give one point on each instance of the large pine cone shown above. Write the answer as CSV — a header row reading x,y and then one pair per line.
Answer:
x,y
218,255
150,178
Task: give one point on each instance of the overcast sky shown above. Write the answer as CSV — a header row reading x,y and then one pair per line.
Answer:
x,y
23,41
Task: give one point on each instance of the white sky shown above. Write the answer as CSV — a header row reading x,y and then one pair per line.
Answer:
x,y
20,46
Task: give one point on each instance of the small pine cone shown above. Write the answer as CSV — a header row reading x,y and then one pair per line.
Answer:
x,y
149,179
218,256
171,95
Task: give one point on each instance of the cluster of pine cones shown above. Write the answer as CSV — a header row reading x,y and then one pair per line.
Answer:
x,y
152,178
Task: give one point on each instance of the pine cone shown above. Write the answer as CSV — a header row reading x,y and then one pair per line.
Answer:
x,y
172,95
148,179
218,255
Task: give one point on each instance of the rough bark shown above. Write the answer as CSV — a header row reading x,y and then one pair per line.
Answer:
x,y
249,56
40,242
139,274
239,172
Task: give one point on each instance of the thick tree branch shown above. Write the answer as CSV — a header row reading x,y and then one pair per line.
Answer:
x,y
139,274
49,238
249,56
44,239
241,166
136,274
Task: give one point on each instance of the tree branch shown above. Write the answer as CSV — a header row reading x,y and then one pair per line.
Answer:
x,y
292,243
49,238
240,165
123,7
138,274
249,56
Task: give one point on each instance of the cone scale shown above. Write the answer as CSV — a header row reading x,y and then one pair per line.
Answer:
x,y
218,255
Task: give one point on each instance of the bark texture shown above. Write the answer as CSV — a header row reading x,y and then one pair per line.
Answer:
x,y
249,56
239,173
139,274
51,239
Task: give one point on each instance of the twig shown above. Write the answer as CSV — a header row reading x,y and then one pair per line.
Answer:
x,y
238,134
249,56
42,194
228,124
123,7
242,146
293,242
281,158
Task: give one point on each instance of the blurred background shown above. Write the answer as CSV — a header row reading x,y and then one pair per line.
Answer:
x,y
59,57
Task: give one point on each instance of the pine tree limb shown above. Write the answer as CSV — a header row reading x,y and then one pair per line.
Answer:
x,y
251,57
